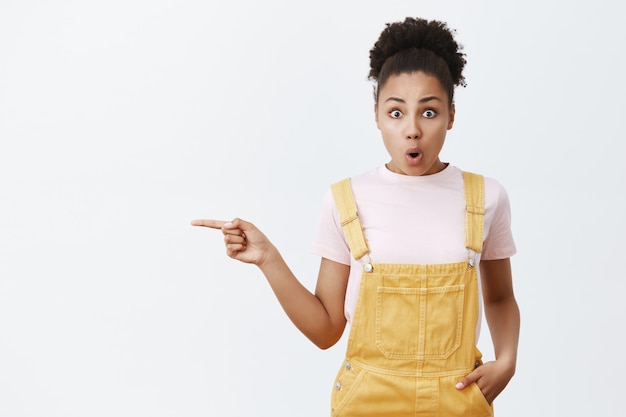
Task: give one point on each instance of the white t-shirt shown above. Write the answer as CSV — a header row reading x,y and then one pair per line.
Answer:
x,y
412,220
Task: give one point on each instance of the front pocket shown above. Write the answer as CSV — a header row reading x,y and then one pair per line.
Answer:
x,y
480,397
467,402
419,323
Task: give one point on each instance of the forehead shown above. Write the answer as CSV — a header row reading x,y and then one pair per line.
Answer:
x,y
412,86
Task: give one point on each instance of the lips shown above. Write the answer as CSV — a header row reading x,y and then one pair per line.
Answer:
x,y
413,156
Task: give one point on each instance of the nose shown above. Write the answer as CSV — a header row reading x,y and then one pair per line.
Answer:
x,y
413,129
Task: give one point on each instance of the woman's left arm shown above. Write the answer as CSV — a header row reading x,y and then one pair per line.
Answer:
x,y
503,318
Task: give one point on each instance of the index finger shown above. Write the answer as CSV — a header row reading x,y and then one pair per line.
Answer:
x,y
213,224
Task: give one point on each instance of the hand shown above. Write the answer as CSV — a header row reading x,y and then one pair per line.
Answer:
x,y
490,377
243,240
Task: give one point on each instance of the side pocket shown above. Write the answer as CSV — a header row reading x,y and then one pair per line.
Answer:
x,y
345,385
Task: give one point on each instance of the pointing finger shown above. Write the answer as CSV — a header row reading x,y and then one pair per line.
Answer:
x,y
213,224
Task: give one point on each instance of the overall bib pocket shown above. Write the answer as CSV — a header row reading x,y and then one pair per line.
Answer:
x,y
419,323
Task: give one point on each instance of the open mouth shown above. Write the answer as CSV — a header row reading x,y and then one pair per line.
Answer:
x,y
413,158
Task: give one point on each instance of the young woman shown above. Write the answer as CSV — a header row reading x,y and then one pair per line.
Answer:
x,y
412,252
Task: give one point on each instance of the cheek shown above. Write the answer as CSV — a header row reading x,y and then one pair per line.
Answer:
x,y
388,141
389,135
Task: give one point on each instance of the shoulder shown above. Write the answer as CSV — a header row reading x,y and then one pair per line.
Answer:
x,y
494,190
362,182
495,193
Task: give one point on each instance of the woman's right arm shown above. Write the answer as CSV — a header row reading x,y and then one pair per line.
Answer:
x,y
320,315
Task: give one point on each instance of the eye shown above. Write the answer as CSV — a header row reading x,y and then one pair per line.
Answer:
x,y
429,114
395,114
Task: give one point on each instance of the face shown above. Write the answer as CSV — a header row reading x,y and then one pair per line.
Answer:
x,y
413,114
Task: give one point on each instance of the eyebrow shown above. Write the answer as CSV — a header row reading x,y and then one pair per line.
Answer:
x,y
421,101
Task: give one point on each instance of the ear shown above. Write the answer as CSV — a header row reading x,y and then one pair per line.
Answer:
x,y
451,118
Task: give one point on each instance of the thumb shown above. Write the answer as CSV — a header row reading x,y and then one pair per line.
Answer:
x,y
468,380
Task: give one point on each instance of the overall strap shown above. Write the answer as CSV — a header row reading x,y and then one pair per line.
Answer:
x,y
346,204
474,210
474,214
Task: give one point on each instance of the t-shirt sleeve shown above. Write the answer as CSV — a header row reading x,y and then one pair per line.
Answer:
x,y
499,243
329,241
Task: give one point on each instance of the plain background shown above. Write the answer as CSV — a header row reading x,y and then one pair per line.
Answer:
x,y
121,121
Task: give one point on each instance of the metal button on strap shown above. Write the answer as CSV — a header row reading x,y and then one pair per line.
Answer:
x,y
472,263
348,366
337,385
368,267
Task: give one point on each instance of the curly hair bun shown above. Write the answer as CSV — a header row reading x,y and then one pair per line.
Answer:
x,y
417,33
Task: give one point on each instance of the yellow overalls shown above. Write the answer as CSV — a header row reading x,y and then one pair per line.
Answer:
x,y
413,332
